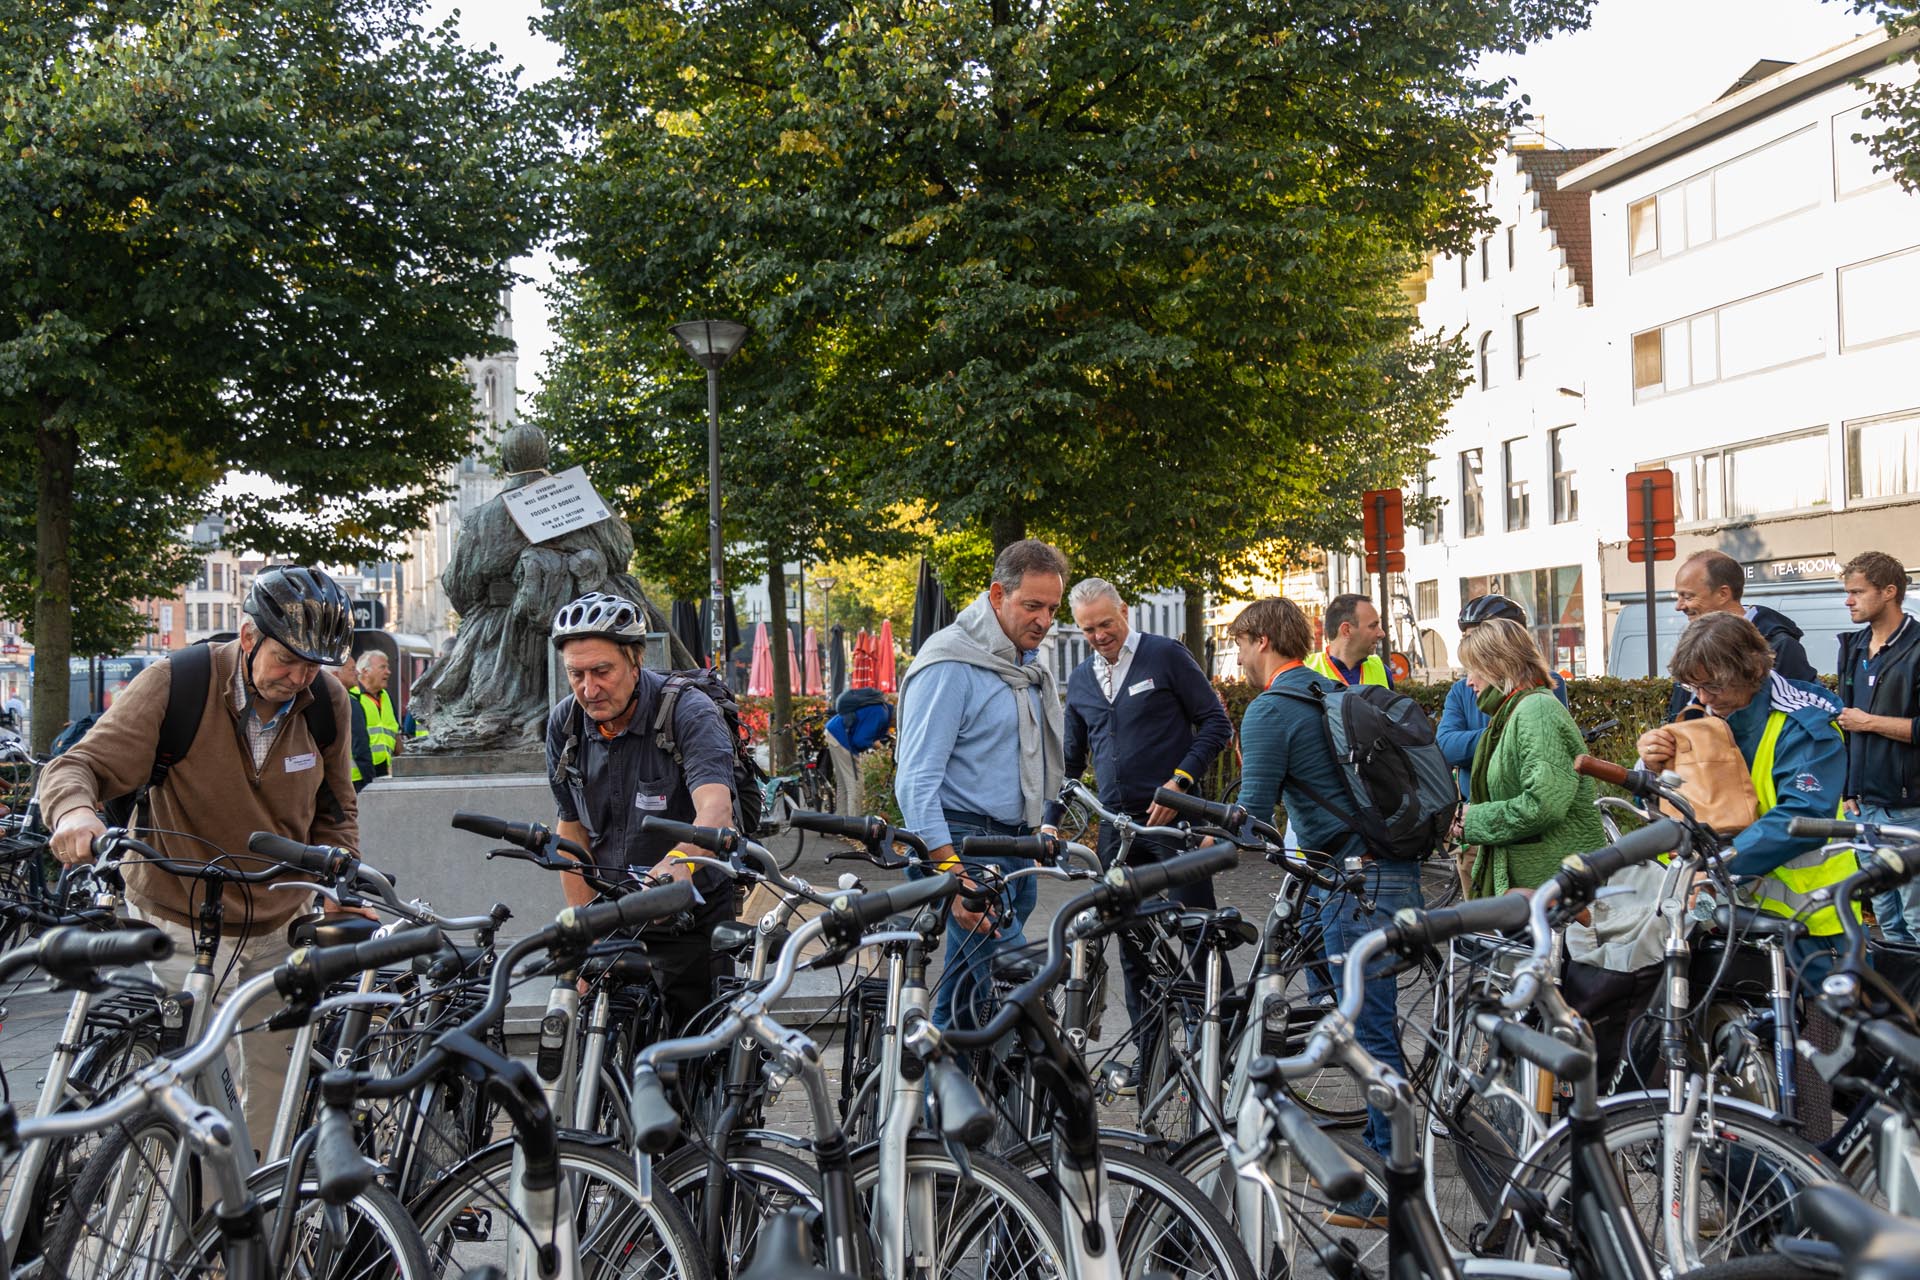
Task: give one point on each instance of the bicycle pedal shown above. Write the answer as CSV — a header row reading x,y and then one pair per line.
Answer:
x,y
473,1225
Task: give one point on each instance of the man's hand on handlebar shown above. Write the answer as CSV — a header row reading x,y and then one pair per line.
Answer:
x,y
74,834
967,919
671,868
1159,815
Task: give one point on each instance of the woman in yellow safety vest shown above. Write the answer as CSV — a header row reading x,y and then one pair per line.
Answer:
x,y
1785,729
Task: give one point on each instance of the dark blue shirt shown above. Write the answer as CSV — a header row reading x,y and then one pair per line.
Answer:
x,y
1165,716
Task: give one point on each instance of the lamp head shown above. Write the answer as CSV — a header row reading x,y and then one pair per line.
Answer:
x,y
711,342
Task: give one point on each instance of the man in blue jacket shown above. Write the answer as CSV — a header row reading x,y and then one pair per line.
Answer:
x,y
1144,714
1880,689
1461,719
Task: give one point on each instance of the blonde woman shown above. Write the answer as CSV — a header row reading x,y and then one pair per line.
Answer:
x,y
1526,808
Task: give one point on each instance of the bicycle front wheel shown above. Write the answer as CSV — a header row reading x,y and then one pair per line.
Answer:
x,y
1741,1176
993,1223
1166,1224
468,1218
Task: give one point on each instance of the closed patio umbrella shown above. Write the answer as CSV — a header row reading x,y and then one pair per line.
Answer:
x,y
883,673
760,676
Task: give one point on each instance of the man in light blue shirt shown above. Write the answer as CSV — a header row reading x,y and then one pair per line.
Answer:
x,y
981,752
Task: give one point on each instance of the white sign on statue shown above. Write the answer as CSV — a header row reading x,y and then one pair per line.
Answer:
x,y
547,508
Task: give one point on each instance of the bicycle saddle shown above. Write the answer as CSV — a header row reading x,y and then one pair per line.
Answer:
x,y
331,931
629,965
1877,1244
1751,922
1223,927
449,962
731,937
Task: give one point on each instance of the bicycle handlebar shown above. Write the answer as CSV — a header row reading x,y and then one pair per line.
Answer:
x,y
531,836
329,861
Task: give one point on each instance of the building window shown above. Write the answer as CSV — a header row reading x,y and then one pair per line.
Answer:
x,y
1463,268
1877,300
1472,502
1554,600
1855,167
1486,258
1566,498
1486,361
1519,505
1769,477
1526,331
1509,248
1883,457
200,618
1770,182
1429,530
1762,332
1426,599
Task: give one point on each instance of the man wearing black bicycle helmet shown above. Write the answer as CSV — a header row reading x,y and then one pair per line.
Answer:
x,y
249,735
609,768
1461,719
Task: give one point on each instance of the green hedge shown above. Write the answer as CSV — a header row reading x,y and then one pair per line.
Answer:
x,y
1637,704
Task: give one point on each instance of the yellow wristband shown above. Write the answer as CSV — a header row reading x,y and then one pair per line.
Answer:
x,y
949,864
1183,774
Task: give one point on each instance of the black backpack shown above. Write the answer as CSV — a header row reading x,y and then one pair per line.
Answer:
x,y
748,777
189,671
1401,794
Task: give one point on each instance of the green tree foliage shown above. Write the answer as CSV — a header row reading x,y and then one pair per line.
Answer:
x,y
1126,275
250,238
1894,119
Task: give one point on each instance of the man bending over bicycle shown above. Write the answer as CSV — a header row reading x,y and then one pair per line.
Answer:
x,y
608,770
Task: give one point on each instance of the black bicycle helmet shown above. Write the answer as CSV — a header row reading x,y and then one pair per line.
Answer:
x,y
600,615
305,610
1480,608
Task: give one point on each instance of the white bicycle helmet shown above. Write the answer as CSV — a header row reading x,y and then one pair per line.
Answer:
x,y
600,615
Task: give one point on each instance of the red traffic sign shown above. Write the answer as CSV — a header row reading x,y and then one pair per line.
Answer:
x,y
1396,561
1663,549
1383,523
1650,512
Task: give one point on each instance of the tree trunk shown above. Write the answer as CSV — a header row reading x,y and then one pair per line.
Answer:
x,y
778,733
1196,625
53,571
1005,530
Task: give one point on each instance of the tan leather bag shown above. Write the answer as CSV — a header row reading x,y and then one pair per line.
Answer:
x,y
1714,777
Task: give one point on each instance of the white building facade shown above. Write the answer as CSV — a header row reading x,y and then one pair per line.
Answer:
x,y
1755,329
1514,464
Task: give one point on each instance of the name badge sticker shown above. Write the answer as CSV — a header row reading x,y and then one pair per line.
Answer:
x,y
652,804
302,762
1139,687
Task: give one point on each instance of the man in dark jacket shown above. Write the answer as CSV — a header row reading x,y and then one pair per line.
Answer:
x,y
1146,716
1712,582
1880,691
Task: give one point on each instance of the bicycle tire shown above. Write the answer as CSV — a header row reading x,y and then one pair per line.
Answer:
x,y
766,1180
379,1240
1166,1224
612,1222
1633,1128
971,1220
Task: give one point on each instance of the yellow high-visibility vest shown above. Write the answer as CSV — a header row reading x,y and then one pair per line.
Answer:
x,y
1372,671
1788,889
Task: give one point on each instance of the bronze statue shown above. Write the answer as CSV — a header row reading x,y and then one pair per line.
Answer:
x,y
491,693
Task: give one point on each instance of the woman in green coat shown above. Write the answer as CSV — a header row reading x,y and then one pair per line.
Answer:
x,y
1527,809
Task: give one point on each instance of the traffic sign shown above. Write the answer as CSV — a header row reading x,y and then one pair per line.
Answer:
x,y
1383,520
1662,548
1396,562
1650,510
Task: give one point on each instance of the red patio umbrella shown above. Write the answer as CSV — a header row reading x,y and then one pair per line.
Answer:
x,y
883,658
760,674
810,645
862,660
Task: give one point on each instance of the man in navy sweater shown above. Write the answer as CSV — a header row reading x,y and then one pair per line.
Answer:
x,y
1145,714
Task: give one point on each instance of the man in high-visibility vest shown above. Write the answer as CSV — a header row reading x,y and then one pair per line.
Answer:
x,y
383,724
1786,732
1353,633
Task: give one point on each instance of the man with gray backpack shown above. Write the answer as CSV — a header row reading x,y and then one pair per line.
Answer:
x,y
1360,776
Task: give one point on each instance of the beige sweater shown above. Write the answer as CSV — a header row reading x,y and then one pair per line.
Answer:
x,y
215,792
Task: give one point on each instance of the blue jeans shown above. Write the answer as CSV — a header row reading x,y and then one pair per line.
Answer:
x,y
966,976
1344,918
1897,910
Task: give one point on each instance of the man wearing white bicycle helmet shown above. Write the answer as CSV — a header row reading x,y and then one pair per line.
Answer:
x,y
609,769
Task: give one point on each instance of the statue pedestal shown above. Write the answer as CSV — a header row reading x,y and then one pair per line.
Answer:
x,y
482,764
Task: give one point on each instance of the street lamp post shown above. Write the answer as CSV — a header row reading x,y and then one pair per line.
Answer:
x,y
826,630
712,343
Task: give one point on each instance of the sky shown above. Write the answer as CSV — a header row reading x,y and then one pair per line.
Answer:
x,y
1640,65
